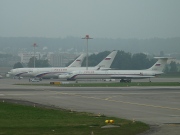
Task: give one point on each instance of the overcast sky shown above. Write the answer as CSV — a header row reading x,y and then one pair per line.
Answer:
x,y
99,18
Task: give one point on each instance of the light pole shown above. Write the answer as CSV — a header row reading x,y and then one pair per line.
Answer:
x,y
34,45
87,37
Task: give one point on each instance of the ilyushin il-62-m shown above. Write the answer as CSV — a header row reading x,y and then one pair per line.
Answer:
x,y
123,75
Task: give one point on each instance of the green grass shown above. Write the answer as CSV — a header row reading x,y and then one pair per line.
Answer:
x,y
122,84
18,119
117,84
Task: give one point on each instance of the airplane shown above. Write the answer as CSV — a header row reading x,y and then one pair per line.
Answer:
x,y
19,72
55,72
123,75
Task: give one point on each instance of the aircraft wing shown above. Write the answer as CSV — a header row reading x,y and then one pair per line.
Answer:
x,y
131,76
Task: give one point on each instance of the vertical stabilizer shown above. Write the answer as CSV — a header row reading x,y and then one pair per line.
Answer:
x,y
78,61
160,64
106,63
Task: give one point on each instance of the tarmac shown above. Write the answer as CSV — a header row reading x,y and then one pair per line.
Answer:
x,y
157,106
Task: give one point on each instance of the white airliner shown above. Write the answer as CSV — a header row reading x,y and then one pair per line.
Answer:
x,y
55,72
19,72
123,75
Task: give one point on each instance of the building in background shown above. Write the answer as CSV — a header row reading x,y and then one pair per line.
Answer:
x,y
61,59
26,56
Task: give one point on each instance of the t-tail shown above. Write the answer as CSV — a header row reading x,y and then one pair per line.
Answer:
x,y
106,62
160,64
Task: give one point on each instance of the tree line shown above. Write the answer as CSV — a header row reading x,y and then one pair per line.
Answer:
x,y
123,60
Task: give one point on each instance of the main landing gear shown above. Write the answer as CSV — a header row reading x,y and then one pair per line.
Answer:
x,y
35,79
125,80
69,79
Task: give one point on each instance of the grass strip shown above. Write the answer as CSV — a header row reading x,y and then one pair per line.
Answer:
x,y
117,84
19,119
122,84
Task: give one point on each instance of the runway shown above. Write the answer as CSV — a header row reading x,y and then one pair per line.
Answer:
x,y
153,105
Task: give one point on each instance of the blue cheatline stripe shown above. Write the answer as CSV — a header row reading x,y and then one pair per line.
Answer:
x,y
21,73
40,75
